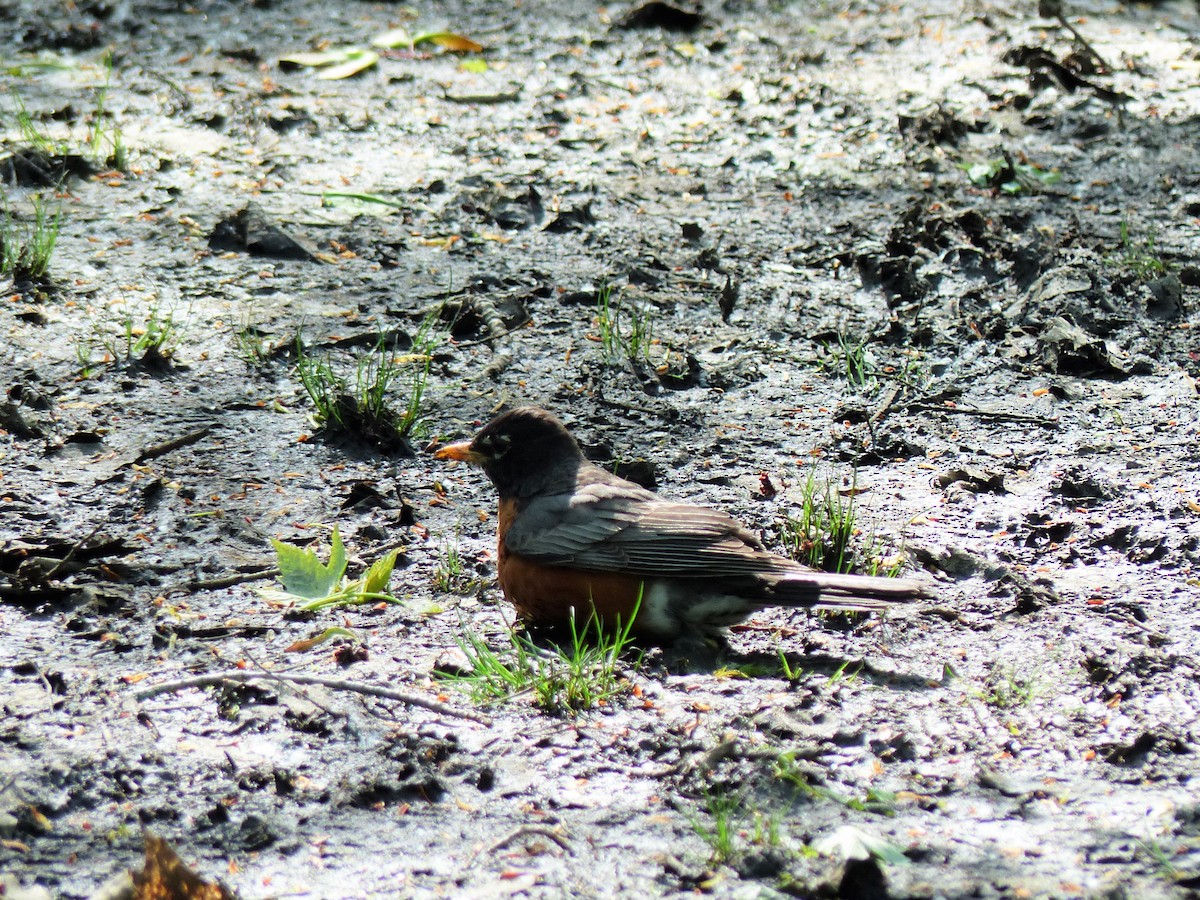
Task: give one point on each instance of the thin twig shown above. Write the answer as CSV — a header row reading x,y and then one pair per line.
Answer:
x,y
888,400
174,444
278,677
494,323
463,345
241,676
231,580
483,99
984,413
49,576
1062,20
551,834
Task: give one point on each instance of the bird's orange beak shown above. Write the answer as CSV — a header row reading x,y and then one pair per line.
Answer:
x,y
462,452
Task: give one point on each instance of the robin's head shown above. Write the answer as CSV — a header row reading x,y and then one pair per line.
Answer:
x,y
521,451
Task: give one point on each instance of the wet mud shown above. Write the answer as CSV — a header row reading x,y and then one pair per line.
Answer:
x,y
941,258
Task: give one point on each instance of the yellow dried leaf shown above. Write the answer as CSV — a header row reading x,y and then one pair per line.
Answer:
x,y
447,40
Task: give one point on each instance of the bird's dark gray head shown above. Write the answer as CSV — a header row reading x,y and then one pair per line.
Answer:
x,y
522,451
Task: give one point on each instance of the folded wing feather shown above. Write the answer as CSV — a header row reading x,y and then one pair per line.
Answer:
x,y
599,528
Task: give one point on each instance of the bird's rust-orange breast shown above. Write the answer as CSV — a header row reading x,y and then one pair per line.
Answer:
x,y
547,594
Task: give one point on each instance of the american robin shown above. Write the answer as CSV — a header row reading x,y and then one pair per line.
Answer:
x,y
573,536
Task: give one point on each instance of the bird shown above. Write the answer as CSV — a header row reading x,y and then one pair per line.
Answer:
x,y
575,540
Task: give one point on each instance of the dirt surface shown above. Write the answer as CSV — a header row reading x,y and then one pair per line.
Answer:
x,y
1003,376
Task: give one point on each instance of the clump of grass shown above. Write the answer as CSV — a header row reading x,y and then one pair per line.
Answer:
x,y
856,361
450,573
34,137
584,673
152,340
825,534
840,675
27,248
911,372
790,672
1007,689
720,832
820,535
105,139
875,560
48,160
251,346
359,404
788,770
606,320
731,828
626,331
850,359
1160,858
126,335
1139,256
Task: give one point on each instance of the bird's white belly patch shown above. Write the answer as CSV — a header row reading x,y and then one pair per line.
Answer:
x,y
657,614
675,608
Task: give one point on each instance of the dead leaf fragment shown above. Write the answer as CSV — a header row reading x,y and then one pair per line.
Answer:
x,y
335,63
356,61
166,877
447,40
455,43
314,58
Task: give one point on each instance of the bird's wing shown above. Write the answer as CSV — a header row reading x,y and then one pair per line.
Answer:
x,y
618,527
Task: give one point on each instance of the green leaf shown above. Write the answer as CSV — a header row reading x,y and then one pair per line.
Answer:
x,y
336,62
378,576
981,173
1045,176
337,555
339,198
476,65
303,575
20,67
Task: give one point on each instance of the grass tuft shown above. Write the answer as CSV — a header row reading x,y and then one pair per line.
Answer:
x,y
450,573
789,770
360,405
124,336
720,832
825,534
585,673
27,248
105,139
625,331
731,828
1006,689
820,535
1139,256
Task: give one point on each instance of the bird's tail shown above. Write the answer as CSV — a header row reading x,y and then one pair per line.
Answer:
x,y
850,592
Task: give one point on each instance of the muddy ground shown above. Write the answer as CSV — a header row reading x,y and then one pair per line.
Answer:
x,y
998,363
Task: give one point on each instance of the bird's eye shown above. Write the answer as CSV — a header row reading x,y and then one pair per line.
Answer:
x,y
494,445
